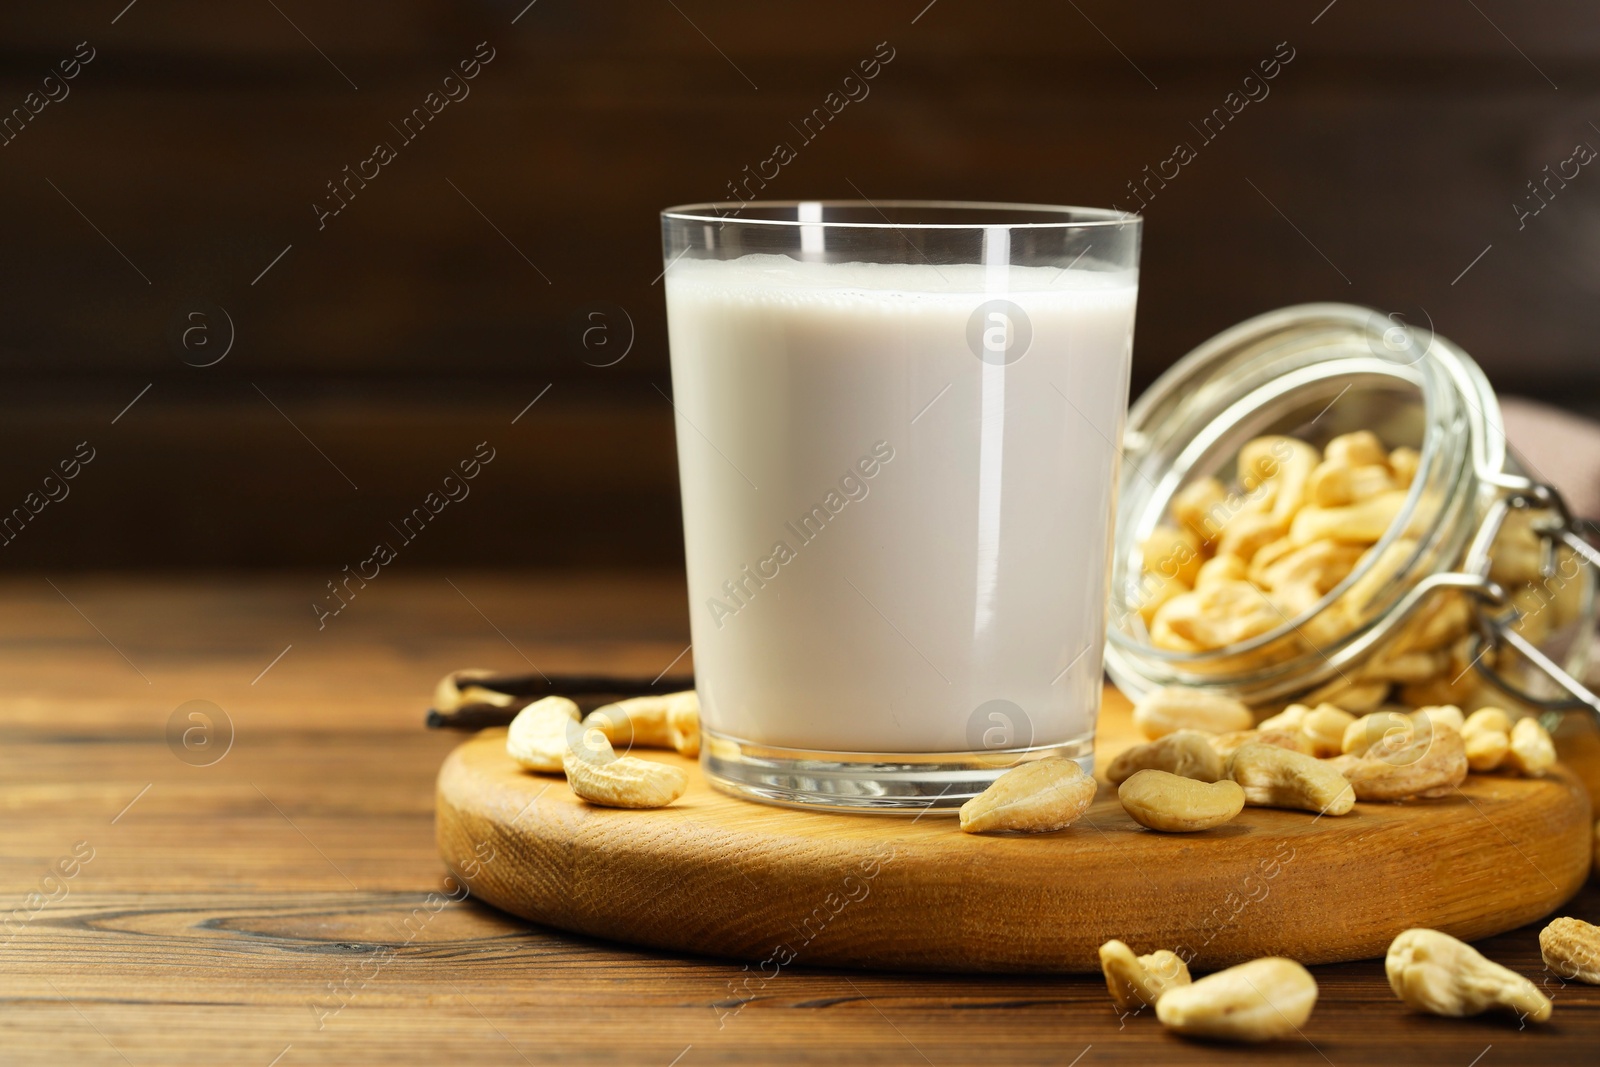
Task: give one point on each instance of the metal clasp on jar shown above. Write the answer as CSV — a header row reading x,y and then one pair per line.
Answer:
x,y
1497,615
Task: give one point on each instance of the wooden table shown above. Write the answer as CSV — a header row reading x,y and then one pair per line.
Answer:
x,y
275,907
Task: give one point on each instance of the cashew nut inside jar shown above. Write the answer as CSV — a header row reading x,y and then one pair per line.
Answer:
x,y
1320,505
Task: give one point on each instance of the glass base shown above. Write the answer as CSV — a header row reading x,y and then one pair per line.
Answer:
x,y
918,783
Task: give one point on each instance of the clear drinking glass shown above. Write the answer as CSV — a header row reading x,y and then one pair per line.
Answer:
x,y
895,427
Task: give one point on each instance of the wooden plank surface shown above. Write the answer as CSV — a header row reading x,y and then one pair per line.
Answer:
x,y
276,903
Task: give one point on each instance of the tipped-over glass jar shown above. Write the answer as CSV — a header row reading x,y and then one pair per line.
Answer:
x,y
1320,504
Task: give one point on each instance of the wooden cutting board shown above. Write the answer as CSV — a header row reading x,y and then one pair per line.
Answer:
x,y
716,875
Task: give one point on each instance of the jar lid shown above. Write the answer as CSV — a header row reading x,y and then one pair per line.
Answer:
x,y
1312,371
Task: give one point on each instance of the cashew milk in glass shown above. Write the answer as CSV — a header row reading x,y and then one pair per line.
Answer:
x,y
897,527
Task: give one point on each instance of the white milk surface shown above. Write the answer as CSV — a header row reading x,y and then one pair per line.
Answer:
x,y
885,535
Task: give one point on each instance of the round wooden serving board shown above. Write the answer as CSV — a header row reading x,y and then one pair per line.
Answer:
x,y
716,875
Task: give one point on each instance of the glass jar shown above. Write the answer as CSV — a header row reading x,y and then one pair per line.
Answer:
x,y
1474,526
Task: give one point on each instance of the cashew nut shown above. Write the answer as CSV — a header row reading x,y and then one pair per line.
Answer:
x,y
1404,462
1532,752
1170,802
1518,554
1044,795
1571,946
1324,727
1433,972
456,689
1354,697
1138,981
1247,533
1220,614
1184,752
1154,591
1361,523
1487,734
671,720
1355,449
1277,778
597,774
1172,553
1294,599
1381,569
1455,686
1443,618
1427,761
1320,565
1255,1001
1442,715
1486,749
1223,568
1229,743
1296,461
1266,556
1387,727
1487,718
1199,506
1289,719
1335,484
537,738
1176,707
1393,665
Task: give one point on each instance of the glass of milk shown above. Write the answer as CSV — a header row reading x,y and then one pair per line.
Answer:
x,y
897,428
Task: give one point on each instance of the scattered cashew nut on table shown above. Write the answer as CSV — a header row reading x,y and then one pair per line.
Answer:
x,y
1256,1001
1572,948
1137,982
1434,972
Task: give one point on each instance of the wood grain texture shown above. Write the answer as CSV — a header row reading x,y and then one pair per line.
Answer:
x,y
270,901
712,873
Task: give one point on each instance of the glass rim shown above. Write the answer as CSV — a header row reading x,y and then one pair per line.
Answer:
x,y
1077,217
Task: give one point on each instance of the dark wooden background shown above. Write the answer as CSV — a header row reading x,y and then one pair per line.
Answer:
x,y
450,293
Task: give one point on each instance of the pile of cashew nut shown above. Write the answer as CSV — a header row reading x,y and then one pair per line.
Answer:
x,y
1239,562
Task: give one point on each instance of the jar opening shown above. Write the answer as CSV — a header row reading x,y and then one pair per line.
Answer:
x,y
1311,375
